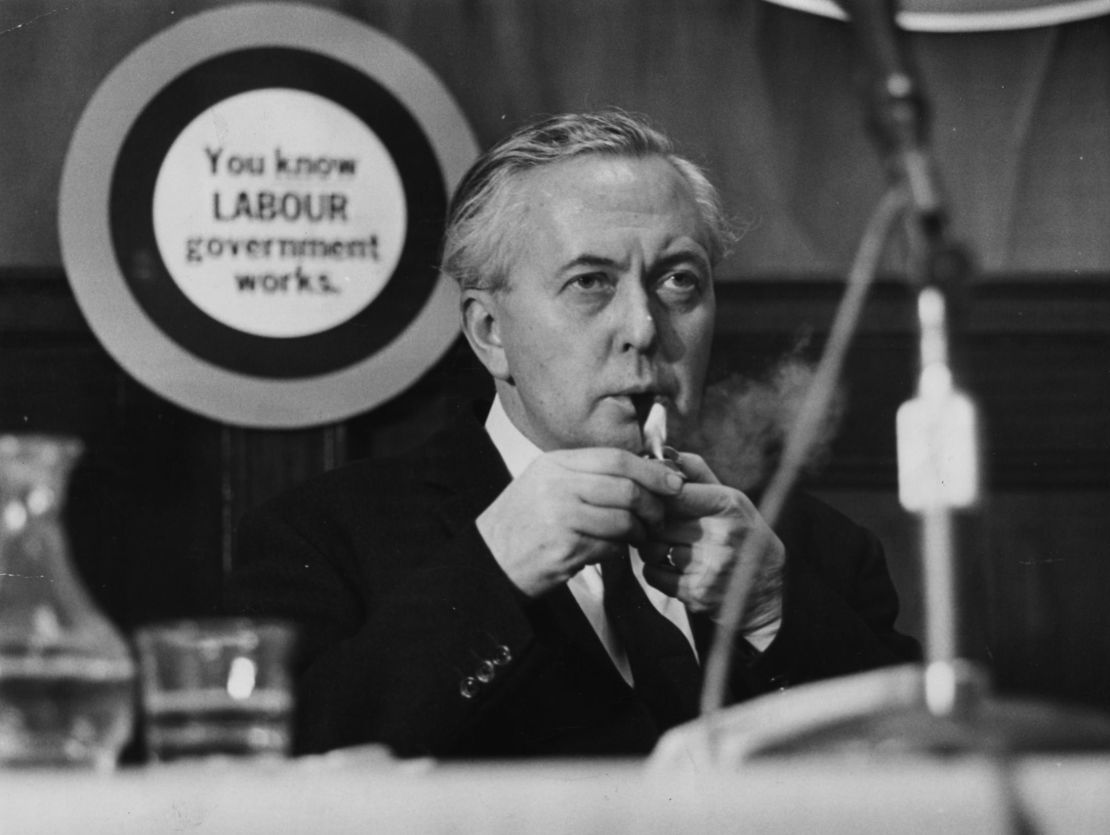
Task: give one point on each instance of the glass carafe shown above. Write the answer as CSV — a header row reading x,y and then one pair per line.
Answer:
x,y
66,675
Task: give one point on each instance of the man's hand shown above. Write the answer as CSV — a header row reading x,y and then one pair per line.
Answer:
x,y
706,527
571,508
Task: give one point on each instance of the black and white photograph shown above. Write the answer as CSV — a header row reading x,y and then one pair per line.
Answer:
x,y
518,416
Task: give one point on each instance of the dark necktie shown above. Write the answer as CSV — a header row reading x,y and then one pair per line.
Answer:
x,y
666,674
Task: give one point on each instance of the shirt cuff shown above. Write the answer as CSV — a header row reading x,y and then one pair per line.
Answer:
x,y
761,638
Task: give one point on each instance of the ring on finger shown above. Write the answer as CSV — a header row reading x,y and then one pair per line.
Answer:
x,y
669,558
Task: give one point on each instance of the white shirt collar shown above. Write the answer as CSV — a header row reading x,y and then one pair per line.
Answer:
x,y
515,449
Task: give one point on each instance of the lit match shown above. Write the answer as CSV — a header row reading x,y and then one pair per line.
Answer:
x,y
655,429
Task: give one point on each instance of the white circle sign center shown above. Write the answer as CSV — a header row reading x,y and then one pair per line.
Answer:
x,y
279,213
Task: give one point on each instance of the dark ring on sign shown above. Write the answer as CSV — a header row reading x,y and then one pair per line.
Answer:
x,y
132,220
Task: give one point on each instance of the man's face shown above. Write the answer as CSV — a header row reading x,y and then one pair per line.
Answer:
x,y
609,302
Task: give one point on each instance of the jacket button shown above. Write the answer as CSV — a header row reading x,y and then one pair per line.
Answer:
x,y
485,672
501,655
779,682
468,687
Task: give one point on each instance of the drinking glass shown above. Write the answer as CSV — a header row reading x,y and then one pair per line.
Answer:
x,y
217,687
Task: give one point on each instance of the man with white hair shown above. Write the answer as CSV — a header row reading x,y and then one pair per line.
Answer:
x,y
534,584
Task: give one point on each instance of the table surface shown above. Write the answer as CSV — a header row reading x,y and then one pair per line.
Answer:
x,y
369,792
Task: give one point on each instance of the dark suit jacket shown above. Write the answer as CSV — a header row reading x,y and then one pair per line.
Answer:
x,y
414,637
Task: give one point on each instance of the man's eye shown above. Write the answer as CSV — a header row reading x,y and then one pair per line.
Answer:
x,y
590,282
680,283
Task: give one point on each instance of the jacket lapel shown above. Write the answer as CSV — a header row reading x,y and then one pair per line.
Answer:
x,y
463,463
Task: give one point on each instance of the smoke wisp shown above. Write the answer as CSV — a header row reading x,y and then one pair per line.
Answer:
x,y
745,421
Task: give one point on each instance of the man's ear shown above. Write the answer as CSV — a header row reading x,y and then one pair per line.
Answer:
x,y
481,324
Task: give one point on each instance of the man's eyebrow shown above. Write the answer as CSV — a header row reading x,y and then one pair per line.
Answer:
x,y
669,260
683,256
588,260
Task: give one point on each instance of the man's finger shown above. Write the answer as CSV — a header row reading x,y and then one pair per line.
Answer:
x,y
695,468
671,556
620,526
698,500
648,473
621,494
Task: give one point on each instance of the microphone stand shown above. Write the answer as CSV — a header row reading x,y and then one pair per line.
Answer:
x,y
938,429
938,443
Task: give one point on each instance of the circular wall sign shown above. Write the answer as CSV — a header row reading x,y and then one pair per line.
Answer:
x,y
250,215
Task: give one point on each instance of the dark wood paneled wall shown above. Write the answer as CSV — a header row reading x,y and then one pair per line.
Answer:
x,y
158,492
155,501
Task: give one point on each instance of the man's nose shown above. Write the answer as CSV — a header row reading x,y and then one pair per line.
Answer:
x,y
639,330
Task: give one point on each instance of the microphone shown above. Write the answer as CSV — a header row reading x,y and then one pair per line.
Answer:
x,y
898,117
898,114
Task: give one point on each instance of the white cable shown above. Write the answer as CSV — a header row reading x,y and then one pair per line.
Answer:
x,y
799,442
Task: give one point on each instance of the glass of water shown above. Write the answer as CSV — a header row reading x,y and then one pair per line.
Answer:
x,y
217,687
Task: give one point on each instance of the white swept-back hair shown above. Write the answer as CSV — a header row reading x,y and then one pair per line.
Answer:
x,y
481,219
